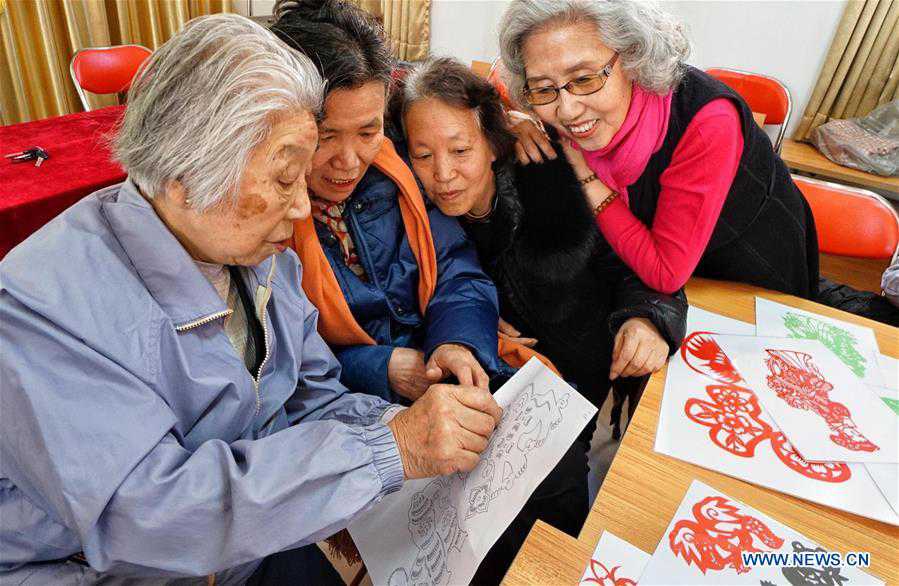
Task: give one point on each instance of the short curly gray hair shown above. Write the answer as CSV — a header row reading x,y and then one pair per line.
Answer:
x,y
204,100
651,44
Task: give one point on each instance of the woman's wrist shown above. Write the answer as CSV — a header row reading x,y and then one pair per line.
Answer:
x,y
601,206
596,193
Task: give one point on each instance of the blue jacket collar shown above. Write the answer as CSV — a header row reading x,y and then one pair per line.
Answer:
x,y
165,267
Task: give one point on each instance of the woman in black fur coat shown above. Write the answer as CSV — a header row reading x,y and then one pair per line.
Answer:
x,y
558,279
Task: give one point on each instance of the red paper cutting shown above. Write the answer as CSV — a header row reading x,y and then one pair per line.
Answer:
x,y
733,415
718,535
798,381
825,471
605,577
732,418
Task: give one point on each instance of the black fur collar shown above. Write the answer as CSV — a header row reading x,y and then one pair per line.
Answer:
x,y
558,234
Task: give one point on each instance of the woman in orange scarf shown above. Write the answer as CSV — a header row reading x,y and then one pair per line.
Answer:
x,y
402,298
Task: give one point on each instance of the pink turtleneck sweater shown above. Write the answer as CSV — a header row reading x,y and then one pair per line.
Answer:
x,y
693,190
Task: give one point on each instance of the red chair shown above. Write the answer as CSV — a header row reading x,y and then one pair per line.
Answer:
x,y
764,95
851,221
106,70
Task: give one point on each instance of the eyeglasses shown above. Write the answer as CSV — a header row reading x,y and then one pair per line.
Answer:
x,y
580,86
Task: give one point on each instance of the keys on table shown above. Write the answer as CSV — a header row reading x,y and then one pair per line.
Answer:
x,y
36,154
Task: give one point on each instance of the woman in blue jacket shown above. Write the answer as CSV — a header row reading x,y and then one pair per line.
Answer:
x,y
418,308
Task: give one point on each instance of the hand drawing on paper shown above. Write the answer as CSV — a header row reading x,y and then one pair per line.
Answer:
x,y
718,535
734,416
435,530
796,379
524,427
839,341
438,530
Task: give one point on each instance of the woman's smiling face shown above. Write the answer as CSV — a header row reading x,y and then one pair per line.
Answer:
x,y
350,136
563,51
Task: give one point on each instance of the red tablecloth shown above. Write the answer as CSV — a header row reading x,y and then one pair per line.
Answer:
x,y
79,164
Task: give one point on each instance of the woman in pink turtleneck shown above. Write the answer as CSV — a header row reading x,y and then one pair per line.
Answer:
x,y
694,185
679,177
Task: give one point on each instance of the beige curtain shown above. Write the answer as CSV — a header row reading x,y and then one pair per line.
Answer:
x,y
861,70
39,37
407,24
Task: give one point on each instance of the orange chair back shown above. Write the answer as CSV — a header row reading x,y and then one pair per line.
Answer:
x,y
107,70
851,221
763,94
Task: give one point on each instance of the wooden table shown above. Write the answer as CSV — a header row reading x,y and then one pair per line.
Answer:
x,y
806,158
549,556
643,489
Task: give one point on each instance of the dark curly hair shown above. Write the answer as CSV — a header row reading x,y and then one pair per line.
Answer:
x,y
346,44
451,82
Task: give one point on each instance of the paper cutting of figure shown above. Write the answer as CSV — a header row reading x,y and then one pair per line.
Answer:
x,y
798,381
732,418
606,577
701,346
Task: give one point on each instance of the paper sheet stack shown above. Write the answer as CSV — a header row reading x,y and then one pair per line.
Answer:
x,y
799,403
714,539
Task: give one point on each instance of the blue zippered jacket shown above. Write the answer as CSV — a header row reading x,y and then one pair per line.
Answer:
x,y
463,310
134,433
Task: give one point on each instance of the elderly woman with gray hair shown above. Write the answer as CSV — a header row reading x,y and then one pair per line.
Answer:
x,y
680,179
168,408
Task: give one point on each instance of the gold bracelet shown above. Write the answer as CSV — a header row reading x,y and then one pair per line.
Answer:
x,y
588,179
598,208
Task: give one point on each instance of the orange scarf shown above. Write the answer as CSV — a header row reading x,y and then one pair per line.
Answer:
x,y
336,323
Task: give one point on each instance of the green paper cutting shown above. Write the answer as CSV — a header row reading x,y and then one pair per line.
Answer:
x,y
839,341
892,404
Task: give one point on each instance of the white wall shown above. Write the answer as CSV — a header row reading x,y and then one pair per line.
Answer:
x,y
466,29
787,39
254,7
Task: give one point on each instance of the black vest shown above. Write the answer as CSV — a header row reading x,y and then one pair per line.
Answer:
x,y
763,207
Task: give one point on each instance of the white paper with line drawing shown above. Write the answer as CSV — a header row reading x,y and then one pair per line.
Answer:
x,y
437,530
